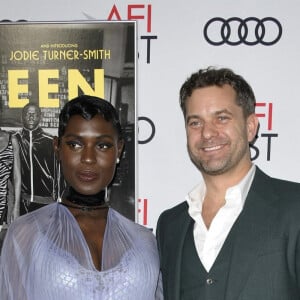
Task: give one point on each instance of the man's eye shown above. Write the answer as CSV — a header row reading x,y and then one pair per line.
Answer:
x,y
223,118
194,124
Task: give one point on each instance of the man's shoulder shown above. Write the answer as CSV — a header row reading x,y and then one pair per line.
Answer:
x,y
41,132
17,133
279,185
288,195
175,212
280,193
172,221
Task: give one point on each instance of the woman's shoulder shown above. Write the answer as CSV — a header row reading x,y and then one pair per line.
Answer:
x,y
136,230
30,222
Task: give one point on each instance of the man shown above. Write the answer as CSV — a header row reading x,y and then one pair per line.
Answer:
x,y
38,164
237,235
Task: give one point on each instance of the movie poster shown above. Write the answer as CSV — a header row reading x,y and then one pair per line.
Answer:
x,y
43,65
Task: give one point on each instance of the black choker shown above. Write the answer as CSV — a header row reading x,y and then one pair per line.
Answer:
x,y
85,208
73,196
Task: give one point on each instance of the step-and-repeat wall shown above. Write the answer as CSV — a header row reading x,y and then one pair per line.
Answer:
x,y
259,40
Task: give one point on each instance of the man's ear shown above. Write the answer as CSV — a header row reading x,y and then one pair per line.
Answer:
x,y
252,128
56,147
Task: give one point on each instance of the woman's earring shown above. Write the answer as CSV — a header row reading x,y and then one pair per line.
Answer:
x,y
118,160
58,182
106,195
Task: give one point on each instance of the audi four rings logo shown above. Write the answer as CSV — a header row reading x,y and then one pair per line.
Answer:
x,y
235,31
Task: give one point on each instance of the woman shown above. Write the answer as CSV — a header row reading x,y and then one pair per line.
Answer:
x,y
79,248
10,181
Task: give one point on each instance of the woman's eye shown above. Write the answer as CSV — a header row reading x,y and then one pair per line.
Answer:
x,y
74,145
104,146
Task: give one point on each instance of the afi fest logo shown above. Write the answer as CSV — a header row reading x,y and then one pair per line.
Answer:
x,y
264,111
140,12
235,31
142,211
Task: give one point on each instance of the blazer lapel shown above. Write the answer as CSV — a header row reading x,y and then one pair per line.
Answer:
x,y
251,231
175,239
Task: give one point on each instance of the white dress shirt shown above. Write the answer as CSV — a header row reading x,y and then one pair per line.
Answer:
x,y
209,242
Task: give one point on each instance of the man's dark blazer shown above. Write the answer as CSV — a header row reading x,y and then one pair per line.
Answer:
x,y
265,257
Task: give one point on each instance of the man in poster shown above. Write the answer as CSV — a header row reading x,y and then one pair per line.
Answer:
x,y
38,162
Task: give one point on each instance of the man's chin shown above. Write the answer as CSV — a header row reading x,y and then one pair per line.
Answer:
x,y
210,169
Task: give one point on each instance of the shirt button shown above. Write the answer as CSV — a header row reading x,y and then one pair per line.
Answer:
x,y
209,281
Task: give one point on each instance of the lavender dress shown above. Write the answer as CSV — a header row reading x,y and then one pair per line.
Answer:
x,y
45,256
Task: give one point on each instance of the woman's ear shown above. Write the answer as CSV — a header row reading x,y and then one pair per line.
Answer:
x,y
56,147
120,148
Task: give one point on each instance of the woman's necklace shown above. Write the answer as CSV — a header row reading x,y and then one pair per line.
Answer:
x,y
85,202
85,208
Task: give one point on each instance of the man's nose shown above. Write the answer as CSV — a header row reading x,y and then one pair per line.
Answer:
x,y
31,117
209,130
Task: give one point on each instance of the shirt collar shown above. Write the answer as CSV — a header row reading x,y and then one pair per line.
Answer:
x,y
235,195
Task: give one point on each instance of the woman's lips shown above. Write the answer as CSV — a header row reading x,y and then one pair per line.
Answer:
x,y
87,176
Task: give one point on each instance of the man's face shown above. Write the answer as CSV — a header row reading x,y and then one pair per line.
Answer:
x,y
31,117
218,134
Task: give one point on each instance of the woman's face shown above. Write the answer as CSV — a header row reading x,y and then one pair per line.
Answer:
x,y
87,152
